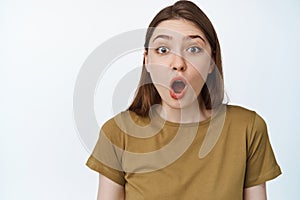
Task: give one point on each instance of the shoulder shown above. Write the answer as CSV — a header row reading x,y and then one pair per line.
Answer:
x,y
243,113
123,121
247,117
123,126
254,125
236,110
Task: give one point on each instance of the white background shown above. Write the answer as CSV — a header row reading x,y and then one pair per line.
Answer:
x,y
43,45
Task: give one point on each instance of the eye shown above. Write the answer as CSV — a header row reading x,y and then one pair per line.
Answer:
x,y
194,49
162,50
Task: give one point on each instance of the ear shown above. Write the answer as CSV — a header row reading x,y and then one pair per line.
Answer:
x,y
146,60
211,66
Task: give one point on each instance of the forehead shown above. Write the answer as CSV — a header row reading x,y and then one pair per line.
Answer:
x,y
177,28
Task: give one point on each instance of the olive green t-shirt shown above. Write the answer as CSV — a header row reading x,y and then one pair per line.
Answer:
x,y
210,160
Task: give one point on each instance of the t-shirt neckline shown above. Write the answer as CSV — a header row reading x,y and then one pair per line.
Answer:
x,y
154,115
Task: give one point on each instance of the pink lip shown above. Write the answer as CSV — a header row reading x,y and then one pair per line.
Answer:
x,y
177,95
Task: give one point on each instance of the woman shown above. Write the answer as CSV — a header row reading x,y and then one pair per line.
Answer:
x,y
178,140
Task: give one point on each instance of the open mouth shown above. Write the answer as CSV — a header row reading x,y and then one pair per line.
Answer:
x,y
178,87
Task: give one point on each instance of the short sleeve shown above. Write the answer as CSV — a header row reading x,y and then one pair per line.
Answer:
x,y
106,157
261,162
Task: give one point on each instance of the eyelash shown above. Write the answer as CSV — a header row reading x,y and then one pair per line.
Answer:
x,y
158,50
198,49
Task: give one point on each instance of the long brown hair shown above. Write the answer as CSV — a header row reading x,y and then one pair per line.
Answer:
x,y
212,93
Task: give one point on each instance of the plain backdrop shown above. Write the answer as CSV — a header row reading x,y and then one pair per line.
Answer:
x,y
44,43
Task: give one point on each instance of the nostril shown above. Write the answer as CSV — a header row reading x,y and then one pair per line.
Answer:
x,y
179,68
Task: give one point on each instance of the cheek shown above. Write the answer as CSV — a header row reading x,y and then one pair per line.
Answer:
x,y
197,82
197,78
159,70
200,67
158,60
160,74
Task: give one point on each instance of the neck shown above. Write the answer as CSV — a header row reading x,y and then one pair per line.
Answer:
x,y
190,114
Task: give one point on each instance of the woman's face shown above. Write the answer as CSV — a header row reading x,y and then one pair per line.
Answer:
x,y
178,60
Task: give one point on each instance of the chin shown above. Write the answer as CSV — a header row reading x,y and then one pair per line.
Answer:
x,y
189,99
180,104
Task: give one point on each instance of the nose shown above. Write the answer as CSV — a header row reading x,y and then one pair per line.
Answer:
x,y
178,63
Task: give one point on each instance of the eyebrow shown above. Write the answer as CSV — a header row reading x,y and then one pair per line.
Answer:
x,y
167,37
195,36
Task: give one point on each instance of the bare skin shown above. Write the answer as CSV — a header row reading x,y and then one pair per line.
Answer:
x,y
179,49
109,190
257,192
175,53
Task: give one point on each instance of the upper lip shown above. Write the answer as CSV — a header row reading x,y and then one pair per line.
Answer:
x,y
177,78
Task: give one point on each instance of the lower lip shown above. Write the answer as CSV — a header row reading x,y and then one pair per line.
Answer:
x,y
177,95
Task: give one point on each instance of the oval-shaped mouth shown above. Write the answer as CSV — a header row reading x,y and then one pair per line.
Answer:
x,y
177,87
